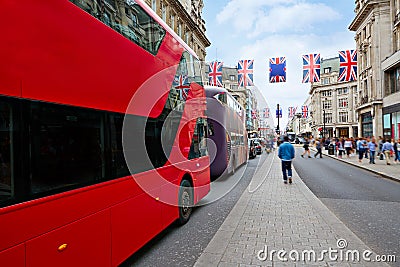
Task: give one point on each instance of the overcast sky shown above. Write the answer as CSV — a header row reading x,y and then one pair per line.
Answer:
x,y
261,29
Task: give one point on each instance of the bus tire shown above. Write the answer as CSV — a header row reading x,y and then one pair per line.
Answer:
x,y
185,202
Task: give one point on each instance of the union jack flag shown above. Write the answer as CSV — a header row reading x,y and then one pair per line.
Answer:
x,y
181,82
279,113
266,112
304,111
254,114
292,111
277,69
348,65
311,68
245,73
215,73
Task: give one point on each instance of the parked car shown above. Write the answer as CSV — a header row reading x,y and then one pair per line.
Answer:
x,y
258,147
252,149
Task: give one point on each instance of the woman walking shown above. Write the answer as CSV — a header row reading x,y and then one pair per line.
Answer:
x,y
318,146
306,149
348,146
340,147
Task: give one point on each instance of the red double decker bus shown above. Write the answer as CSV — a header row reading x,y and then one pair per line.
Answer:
x,y
102,141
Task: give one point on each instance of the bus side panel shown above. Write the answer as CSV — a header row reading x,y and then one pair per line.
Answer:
x,y
134,223
169,192
202,178
87,243
14,256
55,211
220,163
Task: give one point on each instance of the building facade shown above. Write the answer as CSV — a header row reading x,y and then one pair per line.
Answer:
x,y
333,103
391,73
185,18
376,25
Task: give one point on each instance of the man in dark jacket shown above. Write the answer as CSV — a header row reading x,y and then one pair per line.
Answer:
x,y
286,154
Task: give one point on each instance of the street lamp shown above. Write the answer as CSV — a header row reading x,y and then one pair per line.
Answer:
x,y
323,111
324,130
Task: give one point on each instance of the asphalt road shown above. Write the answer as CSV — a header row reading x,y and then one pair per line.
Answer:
x,y
181,246
366,203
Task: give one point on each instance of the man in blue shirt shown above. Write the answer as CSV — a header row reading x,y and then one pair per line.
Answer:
x,y
372,148
286,154
386,148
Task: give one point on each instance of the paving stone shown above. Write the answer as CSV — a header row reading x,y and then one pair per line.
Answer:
x,y
278,217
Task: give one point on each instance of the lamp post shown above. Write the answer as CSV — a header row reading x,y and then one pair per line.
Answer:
x,y
324,130
323,116
298,116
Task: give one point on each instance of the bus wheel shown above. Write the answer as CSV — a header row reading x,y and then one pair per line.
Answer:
x,y
185,202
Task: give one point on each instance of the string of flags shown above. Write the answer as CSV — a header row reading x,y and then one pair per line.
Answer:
x,y
265,112
277,69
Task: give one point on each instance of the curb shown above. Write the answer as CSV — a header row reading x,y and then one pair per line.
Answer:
x,y
384,175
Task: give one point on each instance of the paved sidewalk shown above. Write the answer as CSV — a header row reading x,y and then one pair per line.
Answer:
x,y
273,216
389,171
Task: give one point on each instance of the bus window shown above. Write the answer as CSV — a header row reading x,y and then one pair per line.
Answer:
x,y
199,146
137,25
66,147
198,76
6,174
118,164
221,97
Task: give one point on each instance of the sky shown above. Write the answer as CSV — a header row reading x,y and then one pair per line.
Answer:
x,y
262,29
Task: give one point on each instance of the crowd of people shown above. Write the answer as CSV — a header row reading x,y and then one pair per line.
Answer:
x,y
368,148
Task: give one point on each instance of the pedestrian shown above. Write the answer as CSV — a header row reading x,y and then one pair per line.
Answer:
x,y
372,146
360,149
380,145
387,147
396,148
312,141
340,147
348,147
366,141
318,146
286,154
306,147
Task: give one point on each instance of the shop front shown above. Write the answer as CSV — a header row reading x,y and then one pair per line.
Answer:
x,y
391,122
366,125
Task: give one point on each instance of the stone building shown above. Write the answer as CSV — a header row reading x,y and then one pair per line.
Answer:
x,y
376,25
185,18
333,103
